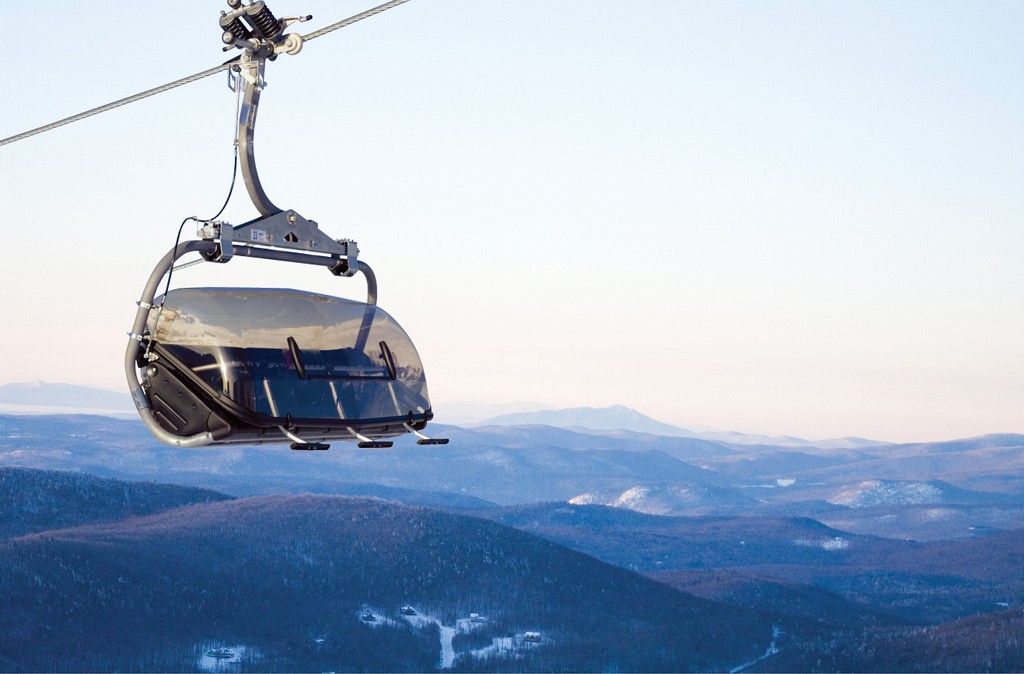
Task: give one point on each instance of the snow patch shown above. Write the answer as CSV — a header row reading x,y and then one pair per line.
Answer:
x,y
633,498
655,499
509,647
934,514
504,646
830,544
772,649
495,458
223,658
375,618
887,492
448,633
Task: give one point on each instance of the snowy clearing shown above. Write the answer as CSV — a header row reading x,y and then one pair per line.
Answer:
x,y
222,658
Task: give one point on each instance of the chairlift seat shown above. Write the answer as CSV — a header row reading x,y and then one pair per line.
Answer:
x,y
254,365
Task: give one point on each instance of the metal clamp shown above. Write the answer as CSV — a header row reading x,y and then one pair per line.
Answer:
x,y
223,232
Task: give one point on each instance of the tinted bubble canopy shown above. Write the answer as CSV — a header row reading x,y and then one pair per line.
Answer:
x,y
259,360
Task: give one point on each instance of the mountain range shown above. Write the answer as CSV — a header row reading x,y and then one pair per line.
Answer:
x,y
921,491
178,579
308,582
51,398
54,398
619,417
819,558
952,579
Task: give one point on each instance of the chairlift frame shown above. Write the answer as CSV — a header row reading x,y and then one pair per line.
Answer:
x,y
278,235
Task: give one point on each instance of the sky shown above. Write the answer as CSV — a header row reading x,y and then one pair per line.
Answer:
x,y
781,217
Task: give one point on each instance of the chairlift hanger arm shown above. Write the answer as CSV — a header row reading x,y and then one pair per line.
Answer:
x,y
260,36
251,72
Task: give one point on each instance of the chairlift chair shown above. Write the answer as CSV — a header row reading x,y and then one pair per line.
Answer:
x,y
217,366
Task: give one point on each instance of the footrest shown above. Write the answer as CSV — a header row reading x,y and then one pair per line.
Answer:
x,y
432,441
310,446
376,444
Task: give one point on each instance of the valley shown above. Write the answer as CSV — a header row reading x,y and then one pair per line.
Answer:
x,y
713,556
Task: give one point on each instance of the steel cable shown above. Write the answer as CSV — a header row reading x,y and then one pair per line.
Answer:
x,y
352,19
191,78
116,104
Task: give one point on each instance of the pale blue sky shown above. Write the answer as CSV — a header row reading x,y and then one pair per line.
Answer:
x,y
778,217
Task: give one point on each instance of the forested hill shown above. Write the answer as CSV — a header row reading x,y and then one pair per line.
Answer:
x,y
38,500
290,581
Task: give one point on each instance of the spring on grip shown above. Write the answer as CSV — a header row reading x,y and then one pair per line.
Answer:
x,y
237,29
266,22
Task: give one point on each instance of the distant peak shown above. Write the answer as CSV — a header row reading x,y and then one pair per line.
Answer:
x,y
39,396
613,417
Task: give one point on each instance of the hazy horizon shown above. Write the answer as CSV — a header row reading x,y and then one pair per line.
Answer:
x,y
456,413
